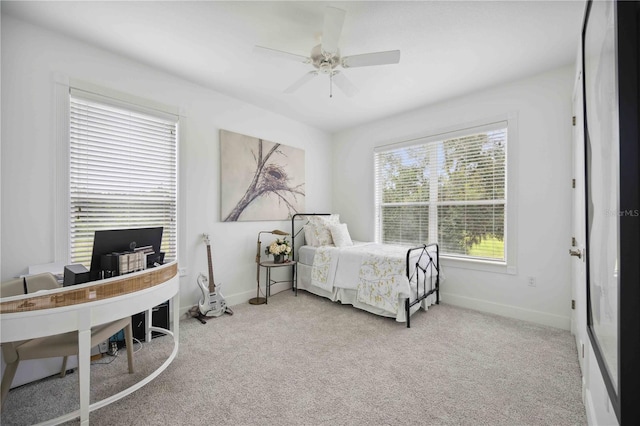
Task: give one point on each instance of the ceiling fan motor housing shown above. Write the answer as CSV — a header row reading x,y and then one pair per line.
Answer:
x,y
325,62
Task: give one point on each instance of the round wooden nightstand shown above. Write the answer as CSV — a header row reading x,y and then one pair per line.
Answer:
x,y
270,265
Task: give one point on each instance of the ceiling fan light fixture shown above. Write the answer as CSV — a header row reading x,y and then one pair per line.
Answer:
x,y
324,61
325,57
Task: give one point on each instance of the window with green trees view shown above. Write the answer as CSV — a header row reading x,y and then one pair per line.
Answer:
x,y
449,189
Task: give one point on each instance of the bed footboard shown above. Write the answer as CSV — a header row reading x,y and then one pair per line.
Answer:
x,y
422,271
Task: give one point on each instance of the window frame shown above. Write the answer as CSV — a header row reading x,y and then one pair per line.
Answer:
x,y
62,91
508,266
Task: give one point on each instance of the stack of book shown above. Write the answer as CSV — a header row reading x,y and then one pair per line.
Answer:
x,y
135,260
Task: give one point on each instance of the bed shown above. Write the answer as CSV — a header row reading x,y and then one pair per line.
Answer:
x,y
388,280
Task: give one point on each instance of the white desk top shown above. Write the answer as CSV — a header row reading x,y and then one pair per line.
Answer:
x,y
81,307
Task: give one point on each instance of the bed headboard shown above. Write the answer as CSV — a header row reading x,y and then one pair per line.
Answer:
x,y
302,220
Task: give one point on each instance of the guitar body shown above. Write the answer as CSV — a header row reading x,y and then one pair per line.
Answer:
x,y
212,303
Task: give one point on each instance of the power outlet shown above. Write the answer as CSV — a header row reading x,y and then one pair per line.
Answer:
x,y
531,281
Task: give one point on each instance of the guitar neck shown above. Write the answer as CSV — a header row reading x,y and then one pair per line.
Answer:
x,y
212,284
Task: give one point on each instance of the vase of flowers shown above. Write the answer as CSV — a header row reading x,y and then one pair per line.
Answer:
x,y
280,249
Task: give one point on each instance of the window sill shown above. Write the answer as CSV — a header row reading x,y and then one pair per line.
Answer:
x,y
478,265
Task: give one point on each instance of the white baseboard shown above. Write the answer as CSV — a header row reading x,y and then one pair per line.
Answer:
x,y
453,299
588,405
238,298
538,317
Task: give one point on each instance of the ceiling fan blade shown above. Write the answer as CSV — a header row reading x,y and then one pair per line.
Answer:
x,y
344,84
282,55
302,81
332,28
368,59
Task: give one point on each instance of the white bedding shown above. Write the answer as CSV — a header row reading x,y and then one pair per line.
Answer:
x,y
367,275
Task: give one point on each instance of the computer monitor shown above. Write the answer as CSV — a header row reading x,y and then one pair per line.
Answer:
x,y
123,240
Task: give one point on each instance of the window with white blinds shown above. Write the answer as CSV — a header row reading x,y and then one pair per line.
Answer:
x,y
122,172
449,190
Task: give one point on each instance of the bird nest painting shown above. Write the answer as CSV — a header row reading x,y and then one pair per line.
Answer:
x,y
259,180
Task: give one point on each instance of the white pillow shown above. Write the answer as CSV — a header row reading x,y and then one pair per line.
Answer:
x,y
332,219
322,235
340,235
317,236
319,227
310,236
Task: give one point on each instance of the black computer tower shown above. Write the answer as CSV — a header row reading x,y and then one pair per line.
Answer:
x,y
159,318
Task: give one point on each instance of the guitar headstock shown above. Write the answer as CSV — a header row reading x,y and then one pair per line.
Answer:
x,y
205,237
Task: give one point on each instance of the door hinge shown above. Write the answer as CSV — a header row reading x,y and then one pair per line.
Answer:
x,y
583,350
573,183
573,241
574,120
573,304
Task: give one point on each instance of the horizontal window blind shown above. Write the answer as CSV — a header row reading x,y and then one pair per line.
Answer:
x,y
472,167
451,191
122,173
403,193
472,230
405,224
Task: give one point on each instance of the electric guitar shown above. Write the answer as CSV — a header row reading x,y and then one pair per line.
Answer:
x,y
212,303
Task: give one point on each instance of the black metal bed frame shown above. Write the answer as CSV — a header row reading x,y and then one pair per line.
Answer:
x,y
413,271
417,270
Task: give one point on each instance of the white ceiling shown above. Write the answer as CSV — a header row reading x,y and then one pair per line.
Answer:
x,y
448,48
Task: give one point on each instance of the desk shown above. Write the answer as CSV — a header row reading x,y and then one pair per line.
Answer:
x,y
270,265
81,307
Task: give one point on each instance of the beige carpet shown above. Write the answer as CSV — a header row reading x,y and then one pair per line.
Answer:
x,y
307,361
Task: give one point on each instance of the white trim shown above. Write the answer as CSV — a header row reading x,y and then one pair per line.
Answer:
x,y
242,297
510,234
91,91
590,408
510,311
480,126
181,185
61,168
473,264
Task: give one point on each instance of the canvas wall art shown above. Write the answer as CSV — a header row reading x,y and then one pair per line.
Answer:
x,y
260,180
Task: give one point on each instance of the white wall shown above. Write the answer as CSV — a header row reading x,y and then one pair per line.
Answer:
x,y
32,57
543,205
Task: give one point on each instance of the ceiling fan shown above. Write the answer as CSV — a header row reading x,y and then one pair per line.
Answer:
x,y
326,58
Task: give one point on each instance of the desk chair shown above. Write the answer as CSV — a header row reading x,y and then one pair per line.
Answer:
x,y
60,345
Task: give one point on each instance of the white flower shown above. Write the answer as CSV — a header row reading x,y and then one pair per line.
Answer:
x,y
279,247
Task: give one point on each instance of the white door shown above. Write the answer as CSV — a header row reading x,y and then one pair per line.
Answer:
x,y
577,249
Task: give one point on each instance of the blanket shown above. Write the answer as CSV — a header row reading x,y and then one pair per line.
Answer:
x,y
323,270
382,281
375,271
